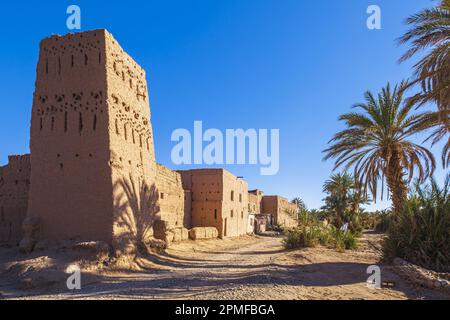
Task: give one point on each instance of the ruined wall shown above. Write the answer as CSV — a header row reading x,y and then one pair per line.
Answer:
x,y
282,210
171,197
71,178
14,188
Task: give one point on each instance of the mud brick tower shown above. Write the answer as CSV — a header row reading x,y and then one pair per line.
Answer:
x,y
92,149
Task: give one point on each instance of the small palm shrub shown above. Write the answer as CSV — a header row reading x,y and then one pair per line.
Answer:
x,y
293,239
368,220
350,241
383,222
306,234
342,241
337,239
355,225
325,237
421,231
312,232
304,237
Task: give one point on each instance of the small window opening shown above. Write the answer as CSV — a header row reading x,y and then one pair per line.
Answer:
x,y
95,122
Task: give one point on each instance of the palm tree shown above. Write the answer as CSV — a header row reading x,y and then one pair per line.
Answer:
x,y
301,205
430,29
302,209
376,144
338,189
339,184
357,199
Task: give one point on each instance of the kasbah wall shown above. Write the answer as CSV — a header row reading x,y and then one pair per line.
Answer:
x,y
94,174
14,186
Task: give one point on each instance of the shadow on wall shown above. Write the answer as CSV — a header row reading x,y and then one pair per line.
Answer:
x,y
136,209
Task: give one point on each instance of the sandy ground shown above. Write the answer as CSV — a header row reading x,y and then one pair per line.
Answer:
x,y
236,269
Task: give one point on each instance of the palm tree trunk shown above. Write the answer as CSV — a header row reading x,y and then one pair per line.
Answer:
x,y
396,183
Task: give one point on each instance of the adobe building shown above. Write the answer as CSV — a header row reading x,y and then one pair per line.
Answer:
x,y
255,201
218,199
92,174
284,213
14,187
275,210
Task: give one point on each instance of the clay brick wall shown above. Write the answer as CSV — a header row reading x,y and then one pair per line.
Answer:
x,y
281,209
255,201
132,154
235,205
288,213
71,177
270,206
14,188
187,208
252,203
212,202
171,197
205,187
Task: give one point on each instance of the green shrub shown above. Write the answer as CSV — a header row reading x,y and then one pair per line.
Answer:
x,y
337,238
355,225
420,233
350,241
343,241
293,240
311,233
325,238
368,220
302,237
383,221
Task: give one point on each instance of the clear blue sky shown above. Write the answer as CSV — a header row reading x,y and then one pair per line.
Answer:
x,y
291,64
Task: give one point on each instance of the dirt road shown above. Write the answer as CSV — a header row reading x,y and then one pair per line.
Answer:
x,y
245,268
